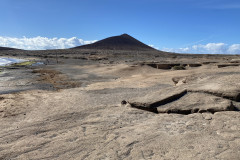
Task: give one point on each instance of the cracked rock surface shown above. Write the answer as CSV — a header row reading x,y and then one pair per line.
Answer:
x,y
89,122
208,93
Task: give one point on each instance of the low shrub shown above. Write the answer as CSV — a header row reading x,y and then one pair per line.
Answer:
x,y
178,68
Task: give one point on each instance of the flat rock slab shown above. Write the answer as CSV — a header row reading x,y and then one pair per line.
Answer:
x,y
235,61
153,97
151,101
181,102
197,103
218,89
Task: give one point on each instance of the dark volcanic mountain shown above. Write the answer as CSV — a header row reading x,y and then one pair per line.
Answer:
x,y
6,48
122,42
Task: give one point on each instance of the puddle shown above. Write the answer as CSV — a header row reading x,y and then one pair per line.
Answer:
x,y
38,64
7,61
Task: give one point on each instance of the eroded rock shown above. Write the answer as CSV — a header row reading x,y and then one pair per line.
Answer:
x,y
235,61
197,103
183,102
227,65
219,90
194,65
182,80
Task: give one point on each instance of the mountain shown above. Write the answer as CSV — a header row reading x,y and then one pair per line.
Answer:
x,y
122,42
6,48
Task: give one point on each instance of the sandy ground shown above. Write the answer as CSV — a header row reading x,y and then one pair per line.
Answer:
x,y
88,121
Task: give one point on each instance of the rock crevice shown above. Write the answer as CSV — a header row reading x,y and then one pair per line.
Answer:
x,y
188,102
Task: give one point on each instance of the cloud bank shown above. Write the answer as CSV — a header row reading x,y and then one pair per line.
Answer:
x,y
42,43
210,48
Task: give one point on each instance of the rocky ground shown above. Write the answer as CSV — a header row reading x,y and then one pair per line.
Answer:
x,y
121,105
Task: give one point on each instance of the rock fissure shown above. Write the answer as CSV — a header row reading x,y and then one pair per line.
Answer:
x,y
225,103
227,95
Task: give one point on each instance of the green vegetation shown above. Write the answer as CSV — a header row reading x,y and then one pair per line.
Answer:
x,y
178,68
22,64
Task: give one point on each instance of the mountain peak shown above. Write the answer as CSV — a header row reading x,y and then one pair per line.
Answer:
x,y
125,35
121,42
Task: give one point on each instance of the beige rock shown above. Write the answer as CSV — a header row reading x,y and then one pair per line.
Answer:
x,y
88,122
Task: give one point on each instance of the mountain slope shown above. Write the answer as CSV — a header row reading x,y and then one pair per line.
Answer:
x,y
6,48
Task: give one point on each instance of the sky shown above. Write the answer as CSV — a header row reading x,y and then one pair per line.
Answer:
x,y
184,26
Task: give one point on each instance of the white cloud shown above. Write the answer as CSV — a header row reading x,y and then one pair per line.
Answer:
x,y
210,48
151,45
41,43
234,49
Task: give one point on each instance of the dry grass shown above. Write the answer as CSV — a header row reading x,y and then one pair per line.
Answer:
x,y
23,64
56,79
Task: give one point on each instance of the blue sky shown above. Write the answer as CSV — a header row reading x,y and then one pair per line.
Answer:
x,y
174,25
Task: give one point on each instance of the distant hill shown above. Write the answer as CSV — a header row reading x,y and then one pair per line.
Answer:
x,y
122,42
7,48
